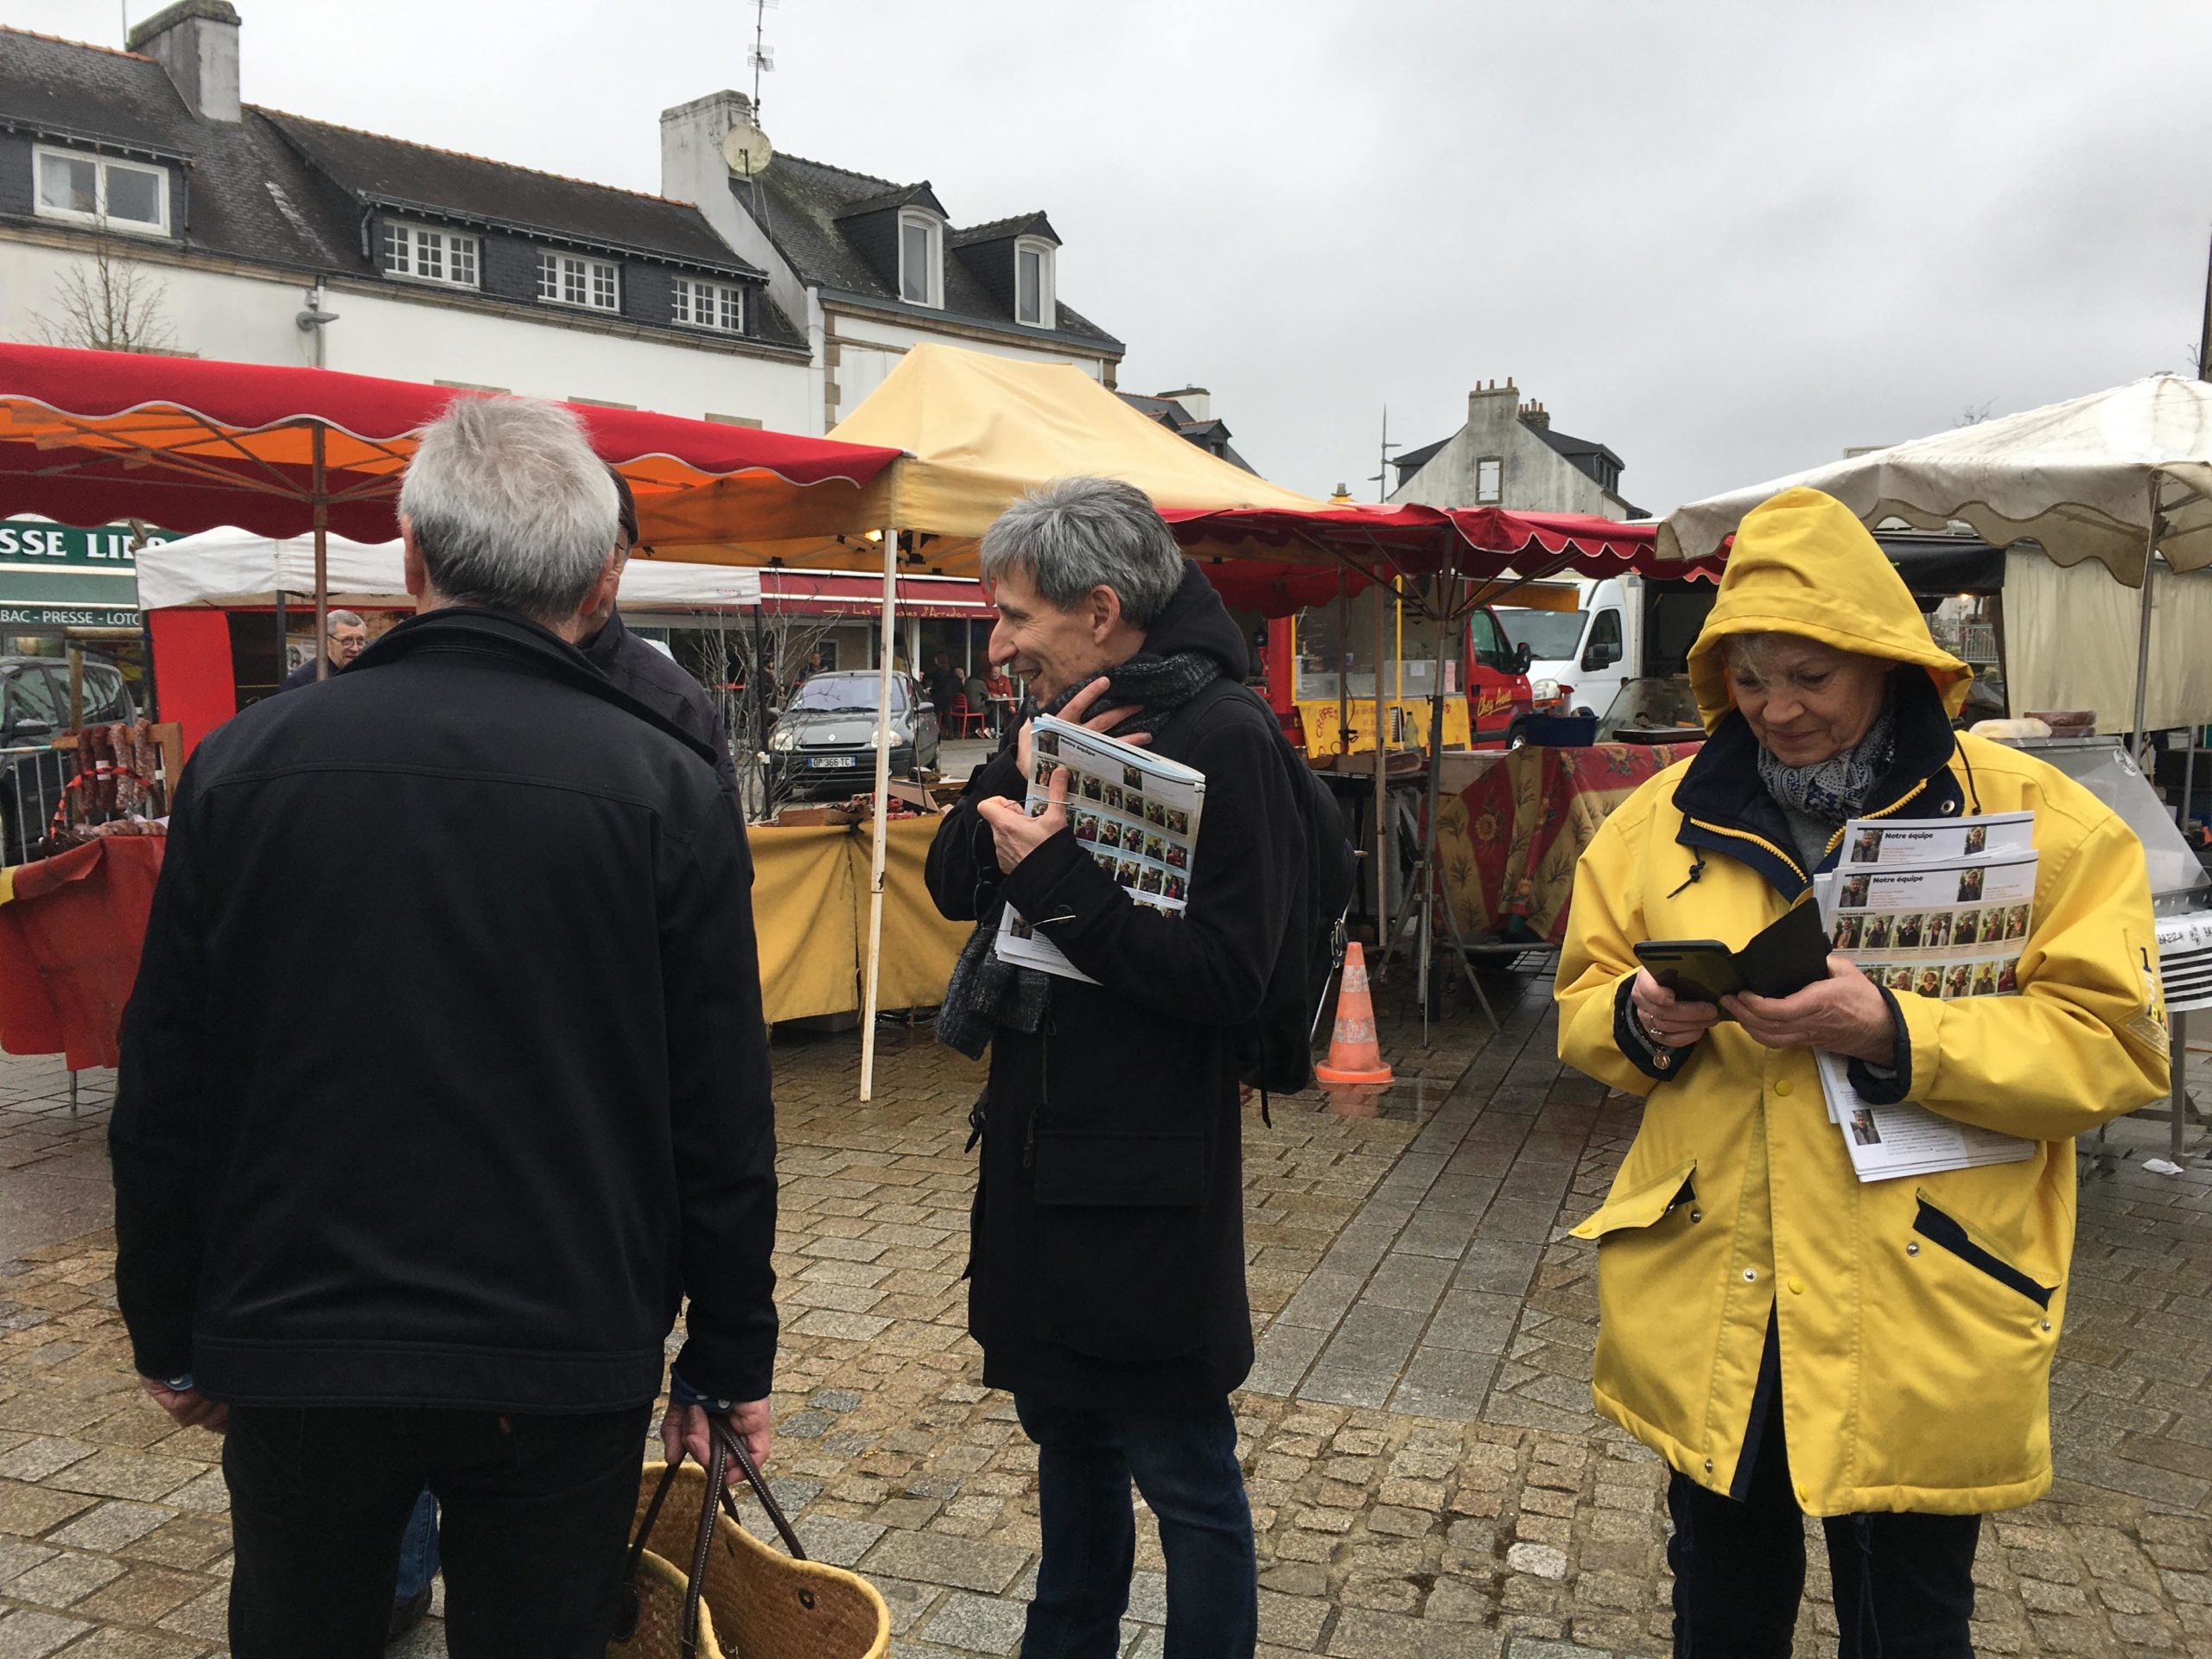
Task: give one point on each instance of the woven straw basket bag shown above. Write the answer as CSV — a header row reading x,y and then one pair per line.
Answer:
x,y
740,1600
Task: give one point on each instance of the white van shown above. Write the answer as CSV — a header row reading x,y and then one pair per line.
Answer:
x,y
1629,628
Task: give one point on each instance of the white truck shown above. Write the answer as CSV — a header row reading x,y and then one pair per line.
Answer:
x,y
1629,628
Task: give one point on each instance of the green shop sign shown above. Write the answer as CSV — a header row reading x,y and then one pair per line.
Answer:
x,y
56,575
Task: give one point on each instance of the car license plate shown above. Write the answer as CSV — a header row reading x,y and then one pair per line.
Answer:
x,y
835,760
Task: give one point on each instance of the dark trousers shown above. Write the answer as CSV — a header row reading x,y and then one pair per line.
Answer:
x,y
1904,1583
536,1513
1185,1463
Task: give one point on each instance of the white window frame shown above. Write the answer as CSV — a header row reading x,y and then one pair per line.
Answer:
x,y
725,305
1495,495
101,166
935,226
449,243
553,273
1048,313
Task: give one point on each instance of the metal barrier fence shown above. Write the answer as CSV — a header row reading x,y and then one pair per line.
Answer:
x,y
31,783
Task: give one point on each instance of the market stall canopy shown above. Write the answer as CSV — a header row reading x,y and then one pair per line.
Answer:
x,y
232,568
92,437
1482,544
977,431
2104,477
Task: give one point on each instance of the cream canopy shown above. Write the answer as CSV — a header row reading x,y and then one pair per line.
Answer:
x,y
977,431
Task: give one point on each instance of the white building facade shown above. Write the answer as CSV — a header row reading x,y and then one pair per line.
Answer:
x,y
145,205
1509,455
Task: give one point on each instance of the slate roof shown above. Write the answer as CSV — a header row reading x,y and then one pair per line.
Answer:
x,y
1211,435
242,176
998,229
278,189
899,196
393,172
1577,450
798,203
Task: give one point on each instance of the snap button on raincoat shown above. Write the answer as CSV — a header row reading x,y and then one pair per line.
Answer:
x,y
1918,1316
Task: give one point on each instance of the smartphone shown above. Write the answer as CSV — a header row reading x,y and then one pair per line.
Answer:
x,y
1696,971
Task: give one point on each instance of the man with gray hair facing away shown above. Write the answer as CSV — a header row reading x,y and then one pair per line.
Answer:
x,y
459,1268
1106,1264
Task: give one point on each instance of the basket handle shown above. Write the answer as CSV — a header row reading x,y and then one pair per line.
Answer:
x,y
728,1447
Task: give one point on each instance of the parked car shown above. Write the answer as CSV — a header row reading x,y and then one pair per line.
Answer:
x,y
34,706
823,743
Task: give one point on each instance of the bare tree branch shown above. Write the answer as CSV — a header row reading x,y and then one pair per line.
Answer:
x,y
108,302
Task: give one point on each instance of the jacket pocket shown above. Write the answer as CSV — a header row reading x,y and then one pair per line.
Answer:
x,y
1643,1205
1954,1356
1951,1233
1100,1167
1662,1269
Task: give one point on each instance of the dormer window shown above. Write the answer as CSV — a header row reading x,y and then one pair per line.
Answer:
x,y
718,306
564,279
422,255
921,259
1034,302
99,190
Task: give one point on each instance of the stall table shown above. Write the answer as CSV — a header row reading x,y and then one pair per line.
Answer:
x,y
1508,841
70,930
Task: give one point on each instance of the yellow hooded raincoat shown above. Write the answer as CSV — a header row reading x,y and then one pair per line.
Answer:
x,y
1917,1317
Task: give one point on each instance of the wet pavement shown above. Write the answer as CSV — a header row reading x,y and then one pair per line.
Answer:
x,y
1426,1475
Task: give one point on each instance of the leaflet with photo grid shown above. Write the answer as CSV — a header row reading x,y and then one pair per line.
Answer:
x,y
1935,907
1134,812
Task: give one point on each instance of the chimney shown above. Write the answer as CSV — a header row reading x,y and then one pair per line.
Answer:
x,y
1491,389
1196,400
692,167
197,42
1537,415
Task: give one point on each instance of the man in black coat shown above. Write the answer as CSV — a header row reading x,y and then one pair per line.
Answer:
x,y
648,675
1107,1268
458,1267
345,637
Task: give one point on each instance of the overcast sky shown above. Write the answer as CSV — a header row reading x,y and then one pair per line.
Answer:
x,y
1727,239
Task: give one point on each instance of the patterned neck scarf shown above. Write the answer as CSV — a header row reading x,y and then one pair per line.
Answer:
x,y
1837,788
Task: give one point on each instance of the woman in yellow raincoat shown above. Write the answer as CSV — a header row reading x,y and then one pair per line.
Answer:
x,y
1790,1339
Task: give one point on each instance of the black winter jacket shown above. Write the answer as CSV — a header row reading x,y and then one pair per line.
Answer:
x,y
654,680
1107,1263
475,1160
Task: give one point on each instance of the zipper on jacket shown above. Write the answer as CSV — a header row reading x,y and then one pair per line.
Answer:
x,y
1044,1092
1898,805
1756,840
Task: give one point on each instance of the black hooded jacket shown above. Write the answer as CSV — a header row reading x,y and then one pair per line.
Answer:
x,y
519,1108
1106,1261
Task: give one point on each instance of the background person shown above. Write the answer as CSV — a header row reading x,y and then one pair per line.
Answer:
x,y
458,1269
648,675
1789,1339
1108,1291
343,639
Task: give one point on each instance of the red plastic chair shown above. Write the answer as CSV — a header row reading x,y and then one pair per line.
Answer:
x,y
967,721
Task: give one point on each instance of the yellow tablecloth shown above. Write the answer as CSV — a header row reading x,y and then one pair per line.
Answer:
x,y
810,911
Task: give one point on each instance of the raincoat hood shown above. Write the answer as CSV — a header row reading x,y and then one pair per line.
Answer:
x,y
1803,564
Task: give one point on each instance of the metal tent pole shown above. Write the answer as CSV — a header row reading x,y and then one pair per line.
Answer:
x,y
315,434
2141,738
1383,843
882,813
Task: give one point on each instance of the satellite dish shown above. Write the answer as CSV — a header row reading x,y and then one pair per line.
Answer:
x,y
745,149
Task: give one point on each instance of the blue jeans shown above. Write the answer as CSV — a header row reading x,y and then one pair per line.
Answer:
x,y
1185,1463
418,1550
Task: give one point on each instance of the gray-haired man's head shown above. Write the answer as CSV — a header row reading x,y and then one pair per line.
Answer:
x,y
506,506
1078,570
344,635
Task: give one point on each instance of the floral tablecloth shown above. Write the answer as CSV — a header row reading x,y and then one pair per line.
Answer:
x,y
1507,844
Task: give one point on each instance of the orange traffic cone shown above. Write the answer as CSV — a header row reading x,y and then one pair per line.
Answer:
x,y
1354,1055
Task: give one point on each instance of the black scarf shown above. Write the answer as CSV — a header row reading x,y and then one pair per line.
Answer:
x,y
985,992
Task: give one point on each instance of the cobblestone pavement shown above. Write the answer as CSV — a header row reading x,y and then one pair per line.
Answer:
x,y
1426,1475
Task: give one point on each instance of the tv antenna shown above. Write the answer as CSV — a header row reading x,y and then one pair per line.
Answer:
x,y
763,56
1382,472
